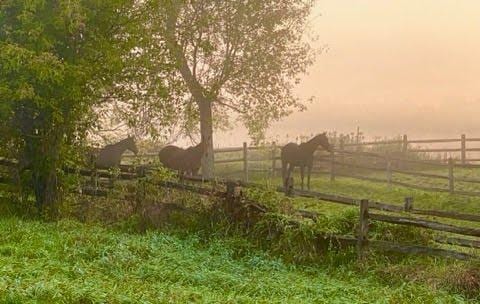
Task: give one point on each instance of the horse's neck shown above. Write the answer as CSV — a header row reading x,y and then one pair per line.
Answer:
x,y
309,147
119,147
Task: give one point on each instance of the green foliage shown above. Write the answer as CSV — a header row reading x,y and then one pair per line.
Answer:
x,y
68,262
59,58
242,57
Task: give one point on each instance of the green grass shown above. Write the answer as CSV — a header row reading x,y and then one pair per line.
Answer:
x,y
68,262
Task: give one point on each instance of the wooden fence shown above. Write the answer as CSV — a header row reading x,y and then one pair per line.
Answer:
x,y
337,164
361,239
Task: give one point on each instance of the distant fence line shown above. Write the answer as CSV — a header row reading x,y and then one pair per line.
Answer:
x,y
404,143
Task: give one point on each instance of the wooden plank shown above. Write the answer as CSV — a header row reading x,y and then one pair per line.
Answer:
x,y
224,150
226,161
425,224
407,185
458,242
467,193
463,146
472,149
436,150
332,165
362,237
94,192
350,165
245,162
420,174
468,166
104,174
448,214
420,250
368,143
432,141
420,162
467,180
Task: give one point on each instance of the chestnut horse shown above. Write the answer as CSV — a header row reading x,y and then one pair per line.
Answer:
x,y
111,155
294,155
185,161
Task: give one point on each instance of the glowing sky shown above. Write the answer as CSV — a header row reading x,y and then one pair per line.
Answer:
x,y
391,67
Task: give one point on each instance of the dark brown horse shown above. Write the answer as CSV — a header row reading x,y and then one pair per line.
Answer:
x,y
294,155
111,155
185,161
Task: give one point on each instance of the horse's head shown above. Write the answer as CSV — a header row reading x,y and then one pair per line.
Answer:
x,y
130,144
322,140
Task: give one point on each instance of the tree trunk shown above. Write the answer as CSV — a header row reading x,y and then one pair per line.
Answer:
x,y
46,194
206,131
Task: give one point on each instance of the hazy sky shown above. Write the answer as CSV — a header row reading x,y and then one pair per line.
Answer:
x,y
391,67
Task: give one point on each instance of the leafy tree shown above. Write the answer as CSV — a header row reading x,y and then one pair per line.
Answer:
x,y
57,59
232,59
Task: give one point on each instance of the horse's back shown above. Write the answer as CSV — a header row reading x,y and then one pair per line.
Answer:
x,y
106,158
169,154
289,152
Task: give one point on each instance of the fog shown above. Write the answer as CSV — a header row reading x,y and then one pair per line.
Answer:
x,y
390,67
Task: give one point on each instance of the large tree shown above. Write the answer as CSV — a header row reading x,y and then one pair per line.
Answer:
x,y
232,60
57,59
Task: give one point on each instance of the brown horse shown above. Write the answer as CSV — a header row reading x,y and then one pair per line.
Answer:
x,y
294,155
111,155
185,161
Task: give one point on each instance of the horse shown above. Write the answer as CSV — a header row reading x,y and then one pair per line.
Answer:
x,y
111,155
294,155
185,161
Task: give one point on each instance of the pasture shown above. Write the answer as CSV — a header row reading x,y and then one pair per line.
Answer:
x,y
70,262
139,236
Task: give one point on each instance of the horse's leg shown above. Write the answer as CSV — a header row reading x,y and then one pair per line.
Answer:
x,y
289,173
309,172
302,174
284,173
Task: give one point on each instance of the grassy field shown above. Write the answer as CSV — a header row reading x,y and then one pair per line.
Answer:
x,y
104,260
69,262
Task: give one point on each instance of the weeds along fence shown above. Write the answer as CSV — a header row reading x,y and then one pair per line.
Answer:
x,y
410,216
232,194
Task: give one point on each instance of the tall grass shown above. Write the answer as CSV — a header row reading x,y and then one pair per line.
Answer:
x,y
68,262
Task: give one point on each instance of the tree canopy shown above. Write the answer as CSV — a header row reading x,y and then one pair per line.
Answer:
x,y
233,60
161,66
58,58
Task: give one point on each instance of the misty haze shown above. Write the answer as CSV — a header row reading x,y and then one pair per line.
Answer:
x,y
240,151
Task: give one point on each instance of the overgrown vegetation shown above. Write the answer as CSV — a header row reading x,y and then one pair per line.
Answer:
x,y
74,263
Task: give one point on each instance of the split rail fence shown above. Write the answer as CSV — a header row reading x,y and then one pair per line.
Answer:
x,y
366,216
348,160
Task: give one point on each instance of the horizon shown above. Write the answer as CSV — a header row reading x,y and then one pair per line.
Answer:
x,y
387,67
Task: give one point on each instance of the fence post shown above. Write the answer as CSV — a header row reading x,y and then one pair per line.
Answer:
x,y
451,182
332,165
404,149
274,161
389,169
342,147
362,238
464,150
245,162
408,204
